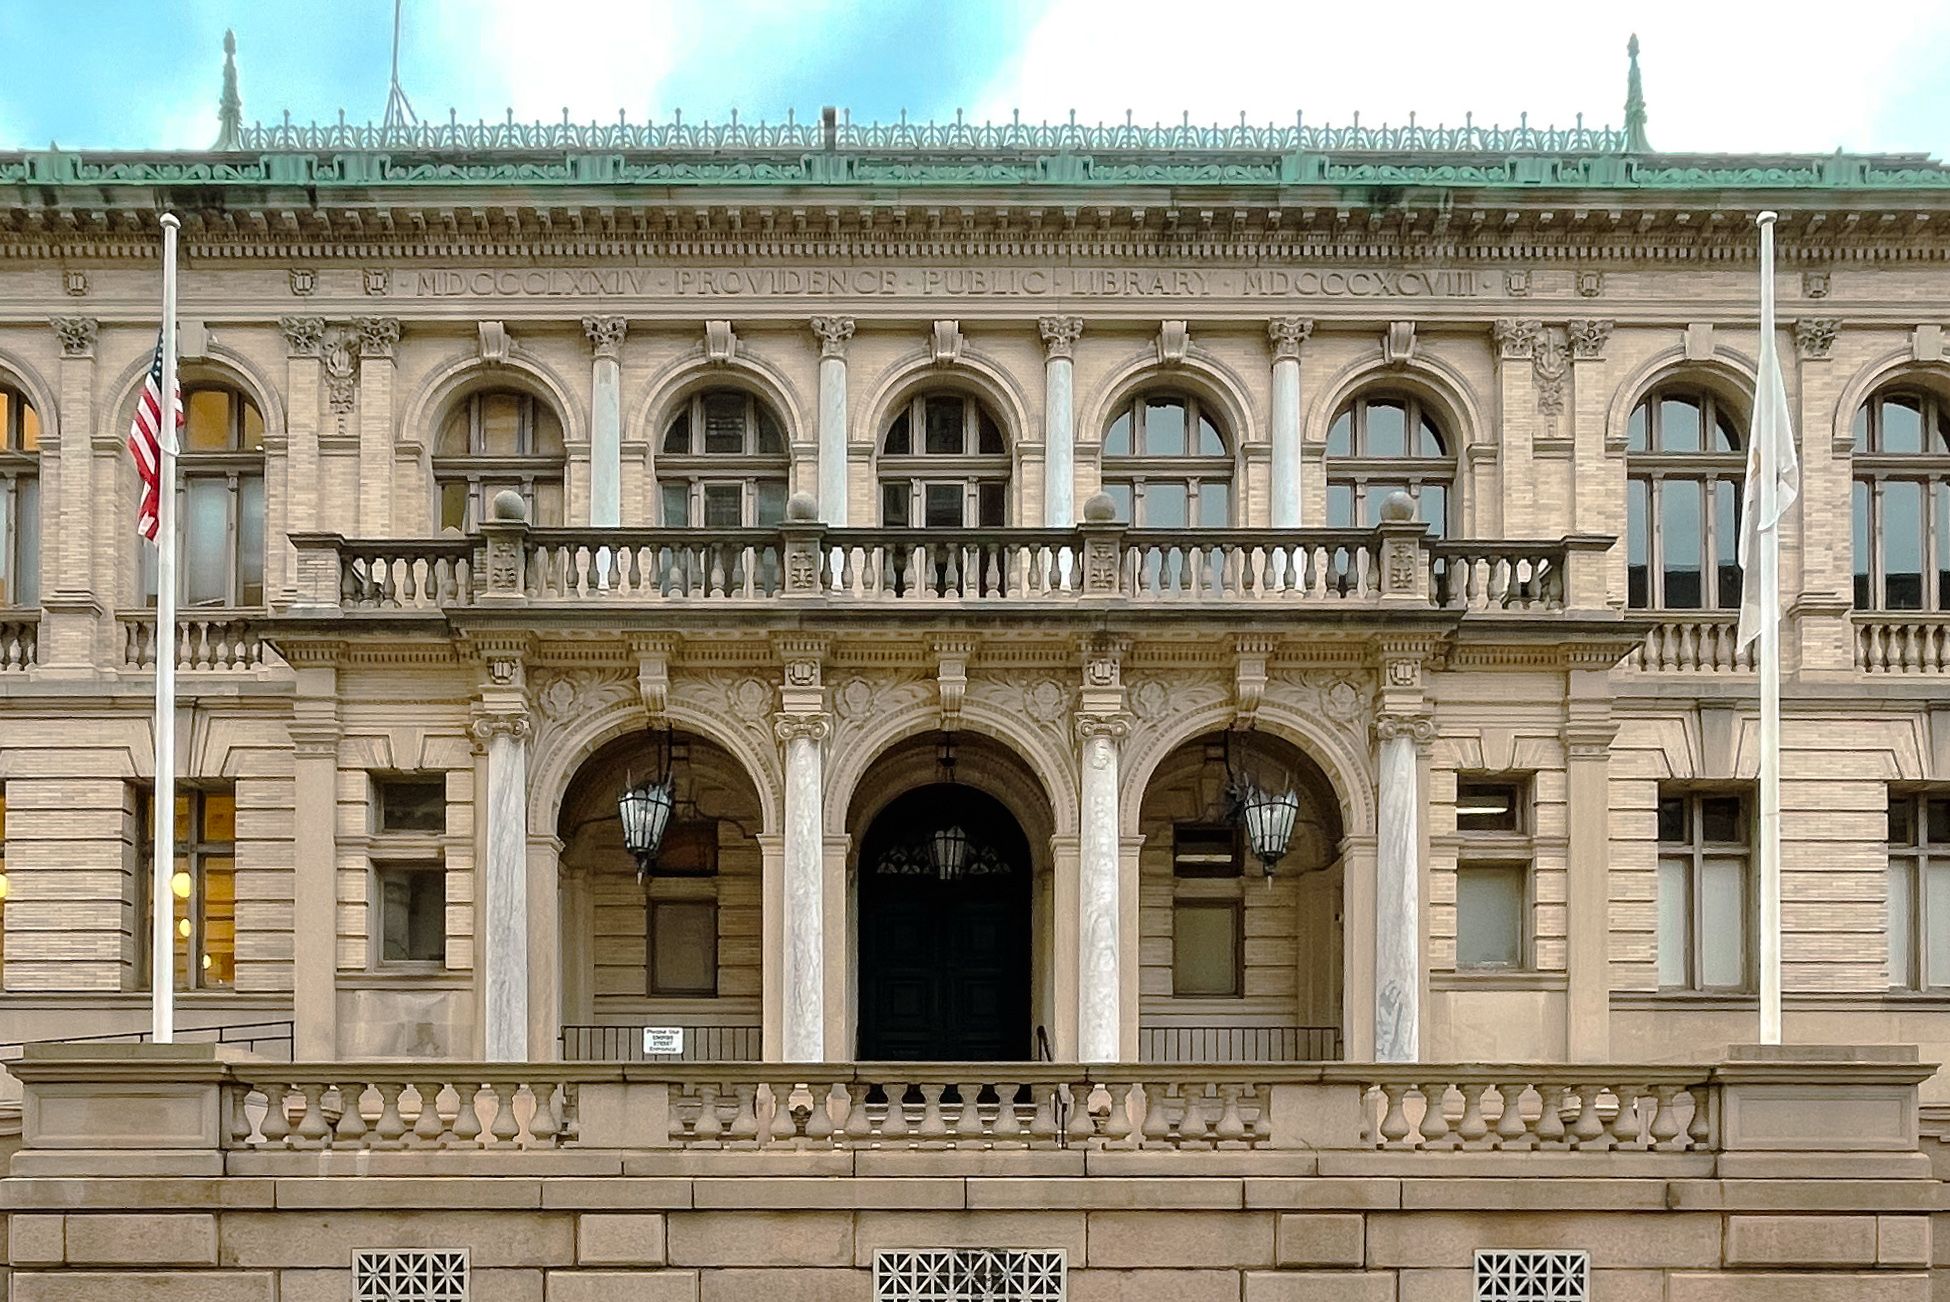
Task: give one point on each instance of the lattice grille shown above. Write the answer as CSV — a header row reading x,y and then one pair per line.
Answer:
x,y
410,1275
969,1275
1532,1276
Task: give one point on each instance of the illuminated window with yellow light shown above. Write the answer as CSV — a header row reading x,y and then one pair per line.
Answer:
x,y
202,888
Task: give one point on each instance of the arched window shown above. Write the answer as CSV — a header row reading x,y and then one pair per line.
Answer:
x,y
20,500
220,502
723,463
943,465
1381,443
496,440
1902,501
1685,459
1167,463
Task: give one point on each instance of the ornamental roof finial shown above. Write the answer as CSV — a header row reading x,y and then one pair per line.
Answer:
x,y
1635,141
230,108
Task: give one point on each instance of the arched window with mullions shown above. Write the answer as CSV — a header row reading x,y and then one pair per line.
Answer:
x,y
1167,463
219,502
1685,460
1901,502
498,439
722,463
1384,443
944,465
20,500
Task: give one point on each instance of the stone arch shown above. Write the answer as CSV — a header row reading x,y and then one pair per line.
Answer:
x,y
454,380
974,372
222,364
1430,379
683,377
560,753
1894,367
1347,768
15,371
882,732
1200,372
1727,373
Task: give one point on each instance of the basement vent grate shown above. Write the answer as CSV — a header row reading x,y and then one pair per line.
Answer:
x,y
969,1275
410,1275
1532,1276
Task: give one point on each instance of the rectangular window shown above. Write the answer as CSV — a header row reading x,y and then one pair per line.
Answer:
x,y
683,947
724,506
677,506
412,923
1705,901
1488,806
1207,944
203,887
1638,542
896,502
1205,850
1681,544
690,849
410,804
943,505
1919,891
1490,907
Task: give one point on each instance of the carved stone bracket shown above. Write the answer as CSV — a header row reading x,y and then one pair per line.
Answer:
x,y
378,335
495,342
833,332
1589,336
1814,336
654,652
951,656
945,343
1286,334
720,342
76,333
606,334
1515,337
1103,664
1250,653
1174,342
1060,333
802,678
303,335
1398,345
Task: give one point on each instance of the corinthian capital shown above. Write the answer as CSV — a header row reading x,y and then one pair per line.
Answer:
x,y
792,726
1060,333
76,333
377,335
606,334
1287,333
833,332
303,335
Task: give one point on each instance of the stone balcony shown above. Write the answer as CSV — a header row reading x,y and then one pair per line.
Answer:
x,y
1793,1172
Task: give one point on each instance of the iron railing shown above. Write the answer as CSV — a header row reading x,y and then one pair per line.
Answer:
x,y
604,1043
1239,1043
265,1039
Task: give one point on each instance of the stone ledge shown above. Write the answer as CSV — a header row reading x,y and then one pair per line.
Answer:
x,y
794,1192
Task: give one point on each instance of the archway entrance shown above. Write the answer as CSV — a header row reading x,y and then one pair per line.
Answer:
x,y
944,929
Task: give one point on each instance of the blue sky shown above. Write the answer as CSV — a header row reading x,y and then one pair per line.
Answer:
x,y
1813,76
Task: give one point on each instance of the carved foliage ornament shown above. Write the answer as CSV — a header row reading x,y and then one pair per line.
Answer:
x,y
1814,337
341,372
606,334
1287,333
1589,336
1060,333
76,333
377,335
1549,364
302,334
833,332
1516,338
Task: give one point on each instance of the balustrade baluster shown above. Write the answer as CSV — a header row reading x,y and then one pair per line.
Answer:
x,y
504,1129
1193,1132
351,1129
467,1114
819,1118
968,1122
1551,1131
276,1126
893,1125
1699,1128
1231,1130
1665,1117
1119,1132
1394,1120
1079,1127
1512,1132
1625,1122
542,1126
427,1127
933,1129
1008,1129
391,1127
1043,1128
859,1126
1589,1132
1473,1128
784,1127
1435,1120
709,1127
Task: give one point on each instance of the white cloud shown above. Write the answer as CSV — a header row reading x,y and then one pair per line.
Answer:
x,y
1795,75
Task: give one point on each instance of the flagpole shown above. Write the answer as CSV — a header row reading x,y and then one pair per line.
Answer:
x,y
1769,663
162,948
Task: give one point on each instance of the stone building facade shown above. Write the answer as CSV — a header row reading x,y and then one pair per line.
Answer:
x,y
1057,492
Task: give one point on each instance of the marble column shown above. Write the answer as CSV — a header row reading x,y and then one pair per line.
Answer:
x,y
606,419
833,332
505,896
804,871
1286,334
1059,420
1397,940
1099,910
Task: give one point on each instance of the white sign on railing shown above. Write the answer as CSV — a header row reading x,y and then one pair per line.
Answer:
x,y
662,1040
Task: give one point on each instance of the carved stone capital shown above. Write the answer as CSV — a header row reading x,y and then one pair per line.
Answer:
x,y
1589,335
1814,336
1060,333
791,726
490,722
833,332
378,335
303,335
606,334
1418,728
76,333
1286,334
1516,337
1090,727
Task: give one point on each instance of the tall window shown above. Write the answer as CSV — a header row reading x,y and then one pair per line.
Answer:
x,y
1902,502
1167,465
723,463
681,913
1685,457
1493,859
202,887
409,874
20,500
1208,915
1705,909
943,465
1919,891
1381,444
497,440
220,503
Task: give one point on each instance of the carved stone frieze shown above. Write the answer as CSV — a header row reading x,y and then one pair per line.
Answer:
x,y
564,694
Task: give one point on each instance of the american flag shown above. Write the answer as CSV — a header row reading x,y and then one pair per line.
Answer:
x,y
145,444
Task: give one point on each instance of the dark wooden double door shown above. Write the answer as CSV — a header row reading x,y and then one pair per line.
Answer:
x,y
944,964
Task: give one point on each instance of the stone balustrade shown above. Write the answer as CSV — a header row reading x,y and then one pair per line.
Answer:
x,y
1902,644
1701,643
1535,1106
397,1107
509,563
209,641
19,637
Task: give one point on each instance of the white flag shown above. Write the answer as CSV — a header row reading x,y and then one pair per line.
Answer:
x,y
1773,482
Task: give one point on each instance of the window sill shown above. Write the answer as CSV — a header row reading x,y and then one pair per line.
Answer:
x,y
1497,979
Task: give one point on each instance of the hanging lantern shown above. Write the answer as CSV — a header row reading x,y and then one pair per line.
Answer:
x,y
1269,823
646,813
948,849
